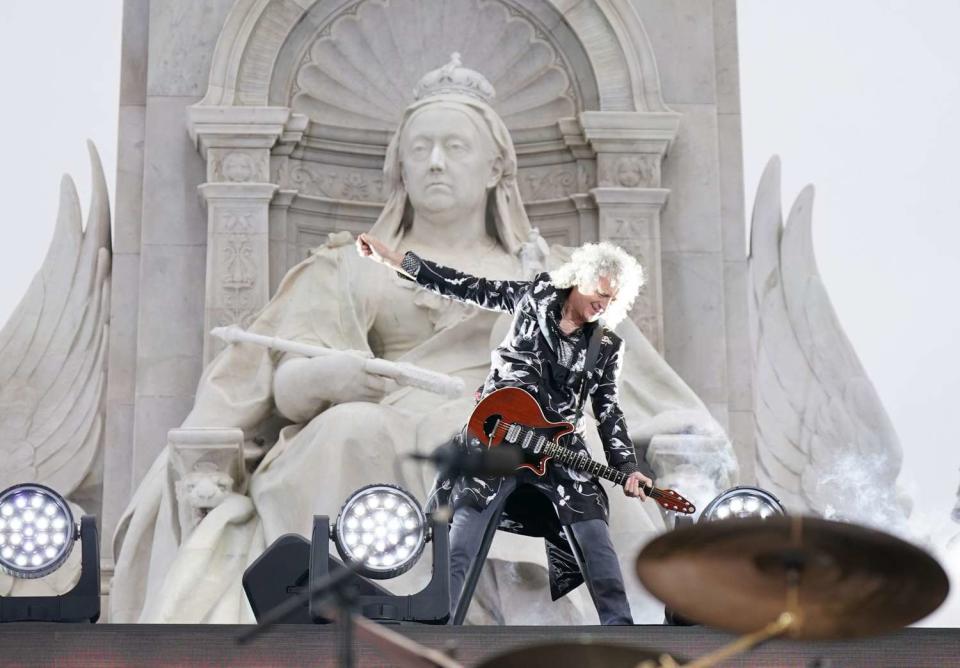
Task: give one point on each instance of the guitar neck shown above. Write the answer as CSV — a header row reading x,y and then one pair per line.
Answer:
x,y
581,462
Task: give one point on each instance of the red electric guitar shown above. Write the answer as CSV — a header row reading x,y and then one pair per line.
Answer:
x,y
512,416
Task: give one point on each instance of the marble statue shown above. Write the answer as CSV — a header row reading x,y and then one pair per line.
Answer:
x,y
826,444
53,354
327,426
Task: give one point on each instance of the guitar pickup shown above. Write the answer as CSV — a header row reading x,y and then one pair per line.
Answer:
x,y
539,446
526,440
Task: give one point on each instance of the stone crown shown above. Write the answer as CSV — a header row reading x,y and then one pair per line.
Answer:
x,y
453,78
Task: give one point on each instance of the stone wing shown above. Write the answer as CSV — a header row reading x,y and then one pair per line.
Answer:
x,y
53,351
824,441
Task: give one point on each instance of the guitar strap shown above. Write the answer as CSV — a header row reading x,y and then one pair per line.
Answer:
x,y
593,351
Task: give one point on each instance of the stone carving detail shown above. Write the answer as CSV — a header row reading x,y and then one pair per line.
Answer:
x,y
540,183
236,223
644,311
586,175
634,171
206,466
336,86
333,182
238,166
239,278
236,265
239,267
633,235
629,171
626,230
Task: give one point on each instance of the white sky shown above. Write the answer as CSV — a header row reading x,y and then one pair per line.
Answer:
x,y
60,73
859,97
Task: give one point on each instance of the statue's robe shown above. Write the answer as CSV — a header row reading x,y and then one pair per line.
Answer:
x,y
332,299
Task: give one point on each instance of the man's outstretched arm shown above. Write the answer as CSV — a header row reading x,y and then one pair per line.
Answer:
x,y
494,295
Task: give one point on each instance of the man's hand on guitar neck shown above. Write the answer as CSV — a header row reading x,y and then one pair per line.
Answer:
x,y
635,484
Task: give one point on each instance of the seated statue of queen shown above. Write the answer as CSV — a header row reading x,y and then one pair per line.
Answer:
x,y
454,201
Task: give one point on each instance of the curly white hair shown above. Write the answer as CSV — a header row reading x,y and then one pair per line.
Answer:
x,y
591,261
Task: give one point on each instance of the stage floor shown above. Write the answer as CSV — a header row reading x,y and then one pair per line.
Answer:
x,y
107,645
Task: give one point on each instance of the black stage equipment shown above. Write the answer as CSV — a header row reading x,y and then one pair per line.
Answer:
x,y
37,535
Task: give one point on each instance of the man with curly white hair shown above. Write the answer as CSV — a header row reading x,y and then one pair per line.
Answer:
x,y
560,350
589,263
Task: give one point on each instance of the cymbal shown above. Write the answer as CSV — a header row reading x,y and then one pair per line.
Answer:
x,y
581,654
852,581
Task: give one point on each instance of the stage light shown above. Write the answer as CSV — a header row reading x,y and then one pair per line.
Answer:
x,y
381,531
741,502
37,531
390,524
37,535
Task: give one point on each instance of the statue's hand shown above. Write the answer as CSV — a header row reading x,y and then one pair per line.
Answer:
x,y
303,387
371,247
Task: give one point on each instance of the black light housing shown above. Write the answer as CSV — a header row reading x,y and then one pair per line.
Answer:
x,y
293,581
37,535
431,605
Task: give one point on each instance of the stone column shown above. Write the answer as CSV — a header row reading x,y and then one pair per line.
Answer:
x,y
629,148
581,150
238,250
237,143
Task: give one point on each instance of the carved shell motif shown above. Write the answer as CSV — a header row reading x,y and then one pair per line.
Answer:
x,y
362,69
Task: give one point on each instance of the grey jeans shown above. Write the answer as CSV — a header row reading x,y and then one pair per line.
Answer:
x,y
593,549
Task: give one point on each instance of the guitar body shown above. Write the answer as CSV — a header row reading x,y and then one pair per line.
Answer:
x,y
512,405
511,416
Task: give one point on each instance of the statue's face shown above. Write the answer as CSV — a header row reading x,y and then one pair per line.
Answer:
x,y
447,163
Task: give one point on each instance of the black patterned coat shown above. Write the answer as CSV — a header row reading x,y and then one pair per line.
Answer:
x,y
538,357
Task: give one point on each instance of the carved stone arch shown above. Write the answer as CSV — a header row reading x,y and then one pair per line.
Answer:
x,y
610,33
357,66
304,94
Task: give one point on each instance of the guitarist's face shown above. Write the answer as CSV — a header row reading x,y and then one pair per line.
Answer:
x,y
590,302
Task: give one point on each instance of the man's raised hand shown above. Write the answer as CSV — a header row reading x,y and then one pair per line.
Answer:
x,y
371,247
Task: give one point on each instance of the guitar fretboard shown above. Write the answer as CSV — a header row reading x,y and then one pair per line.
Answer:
x,y
580,461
